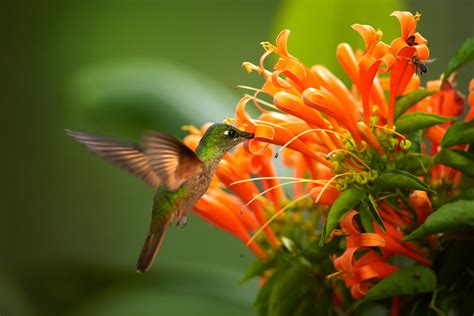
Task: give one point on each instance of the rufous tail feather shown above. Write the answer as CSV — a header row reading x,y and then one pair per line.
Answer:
x,y
150,248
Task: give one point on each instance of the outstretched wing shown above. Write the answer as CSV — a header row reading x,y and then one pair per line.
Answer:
x,y
171,160
125,155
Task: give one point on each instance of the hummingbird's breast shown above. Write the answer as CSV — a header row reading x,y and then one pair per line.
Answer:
x,y
198,185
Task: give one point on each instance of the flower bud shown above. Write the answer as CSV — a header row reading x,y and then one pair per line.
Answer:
x,y
405,144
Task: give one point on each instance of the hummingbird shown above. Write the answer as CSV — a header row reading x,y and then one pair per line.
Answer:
x,y
180,175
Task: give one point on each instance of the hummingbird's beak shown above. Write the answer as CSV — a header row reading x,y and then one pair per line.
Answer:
x,y
248,135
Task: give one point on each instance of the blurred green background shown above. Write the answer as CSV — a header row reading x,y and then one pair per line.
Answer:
x,y
72,226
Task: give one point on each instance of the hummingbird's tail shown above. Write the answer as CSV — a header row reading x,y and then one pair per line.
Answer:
x,y
152,245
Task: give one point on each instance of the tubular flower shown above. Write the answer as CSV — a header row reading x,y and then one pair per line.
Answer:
x,y
409,48
376,53
363,171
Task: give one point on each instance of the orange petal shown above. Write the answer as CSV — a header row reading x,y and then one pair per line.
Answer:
x,y
217,214
348,223
422,205
435,134
370,138
337,88
378,97
246,191
282,42
237,207
365,240
348,61
328,197
368,34
368,67
407,23
329,105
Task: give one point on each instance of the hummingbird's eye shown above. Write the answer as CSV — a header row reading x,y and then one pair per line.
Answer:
x,y
231,133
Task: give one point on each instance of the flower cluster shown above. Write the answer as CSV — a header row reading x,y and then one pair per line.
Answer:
x,y
363,177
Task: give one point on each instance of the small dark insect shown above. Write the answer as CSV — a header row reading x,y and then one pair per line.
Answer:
x,y
421,65
417,275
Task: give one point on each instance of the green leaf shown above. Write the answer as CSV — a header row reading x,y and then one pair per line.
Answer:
x,y
257,268
418,164
452,216
410,122
410,99
292,284
347,200
459,133
406,281
374,212
399,179
366,218
457,159
464,55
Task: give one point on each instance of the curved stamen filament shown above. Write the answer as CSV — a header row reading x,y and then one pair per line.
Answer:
x,y
274,187
352,154
329,182
247,88
278,178
271,219
391,131
304,133
255,99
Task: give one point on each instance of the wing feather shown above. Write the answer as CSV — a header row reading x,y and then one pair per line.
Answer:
x,y
127,156
171,160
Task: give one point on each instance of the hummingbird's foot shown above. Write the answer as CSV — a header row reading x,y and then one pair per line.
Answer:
x,y
182,222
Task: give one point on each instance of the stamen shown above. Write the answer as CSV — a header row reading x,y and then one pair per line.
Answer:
x,y
334,275
248,88
417,16
267,46
277,178
391,131
275,216
303,133
379,34
272,188
253,97
329,182
249,67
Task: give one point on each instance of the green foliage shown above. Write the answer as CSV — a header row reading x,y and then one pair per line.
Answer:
x,y
405,102
459,133
417,164
399,179
451,216
294,281
138,95
366,217
257,268
347,200
410,122
457,159
467,194
374,212
464,55
414,280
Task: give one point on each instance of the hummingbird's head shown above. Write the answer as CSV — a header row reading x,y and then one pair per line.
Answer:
x,y
222,137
